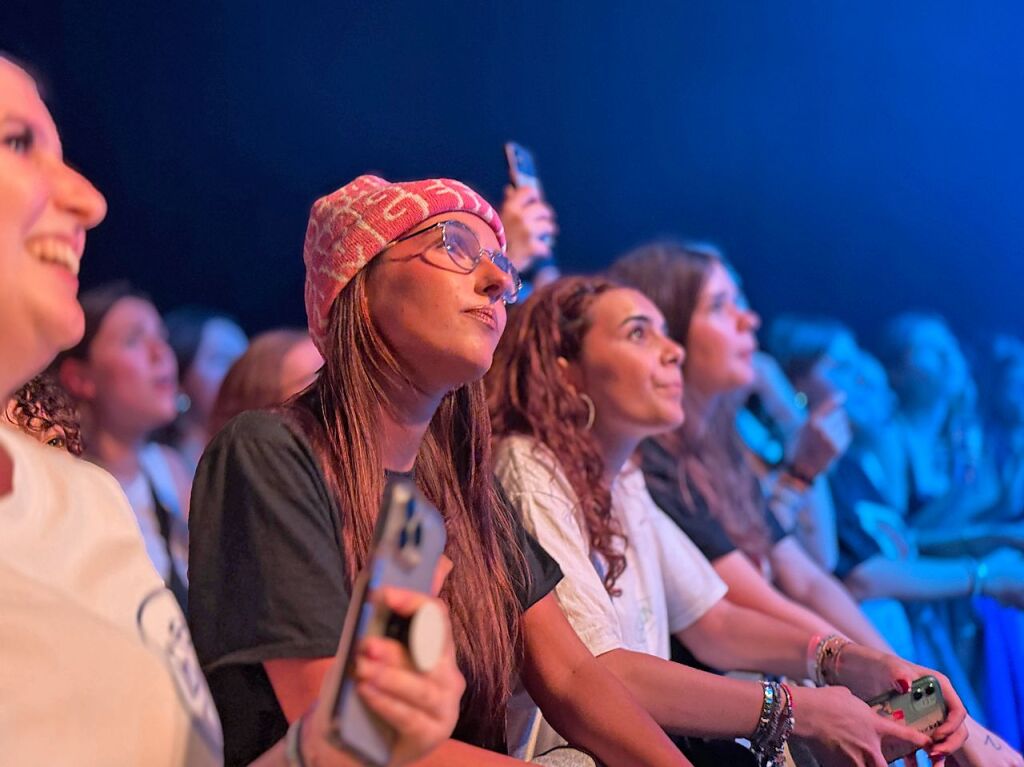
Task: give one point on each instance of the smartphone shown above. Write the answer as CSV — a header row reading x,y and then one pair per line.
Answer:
x,y
408,542
521,168
921,708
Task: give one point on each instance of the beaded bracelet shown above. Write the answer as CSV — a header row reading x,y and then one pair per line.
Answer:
x,y
774,726
826,664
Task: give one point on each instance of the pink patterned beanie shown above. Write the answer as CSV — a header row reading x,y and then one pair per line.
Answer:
x,y
347,228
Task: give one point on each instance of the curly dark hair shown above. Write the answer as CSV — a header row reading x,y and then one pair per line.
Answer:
x,y
528,393
40,405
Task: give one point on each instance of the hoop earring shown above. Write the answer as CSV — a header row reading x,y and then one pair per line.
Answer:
x,y
591,411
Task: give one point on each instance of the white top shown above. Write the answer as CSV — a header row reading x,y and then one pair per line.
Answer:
x,y
154,477
96,662
666,587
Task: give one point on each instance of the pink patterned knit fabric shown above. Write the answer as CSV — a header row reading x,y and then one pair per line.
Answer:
x,y
347,228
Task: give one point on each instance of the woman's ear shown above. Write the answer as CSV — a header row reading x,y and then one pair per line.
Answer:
x,y
572,373
75,376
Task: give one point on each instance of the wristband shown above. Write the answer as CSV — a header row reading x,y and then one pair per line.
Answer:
x,y
978,581
293,744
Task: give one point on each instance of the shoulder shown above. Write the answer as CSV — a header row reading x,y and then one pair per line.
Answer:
x,y
260,436
631,489
60,466
524,465
262,425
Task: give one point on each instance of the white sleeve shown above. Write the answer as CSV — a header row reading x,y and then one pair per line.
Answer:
x,y
546,504
692,587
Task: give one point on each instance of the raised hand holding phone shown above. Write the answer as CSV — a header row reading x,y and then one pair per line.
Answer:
x,y
530,227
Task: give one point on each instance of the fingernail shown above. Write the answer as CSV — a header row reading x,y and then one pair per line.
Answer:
x,y
903,685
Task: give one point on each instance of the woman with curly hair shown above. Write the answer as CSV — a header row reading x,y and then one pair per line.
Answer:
x,y
585,372
42,409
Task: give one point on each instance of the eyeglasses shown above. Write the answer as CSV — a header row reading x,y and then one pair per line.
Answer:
x,y
464,251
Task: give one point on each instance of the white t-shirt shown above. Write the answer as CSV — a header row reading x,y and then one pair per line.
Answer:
x,y
154,478
666,587
96,661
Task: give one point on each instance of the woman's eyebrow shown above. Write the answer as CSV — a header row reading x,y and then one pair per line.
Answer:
x,y
637,318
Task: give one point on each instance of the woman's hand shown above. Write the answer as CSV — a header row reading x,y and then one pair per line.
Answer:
x,y
985,749
530,226
842,731
869,673
822,439
422,707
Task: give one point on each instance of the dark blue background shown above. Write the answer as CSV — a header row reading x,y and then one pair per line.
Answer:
x,y
854,158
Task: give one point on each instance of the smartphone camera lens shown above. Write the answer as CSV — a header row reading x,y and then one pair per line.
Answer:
x,y
930,689
410,508
403,538
417,535
918,695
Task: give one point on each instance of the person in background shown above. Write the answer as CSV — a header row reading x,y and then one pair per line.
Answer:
x,y
700,474
406,288
277,365
779,431
530,231
879,561
89,636
42,409
205,344
584,373
938,473
1002,403
123,376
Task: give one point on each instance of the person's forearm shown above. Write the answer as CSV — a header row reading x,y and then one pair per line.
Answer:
x,y
748,588
804,582
595,712
677,696
585,703
916,579
453,753
833,603
733,638
975,540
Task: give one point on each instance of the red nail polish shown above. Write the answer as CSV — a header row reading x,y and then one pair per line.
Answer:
x,y
903,684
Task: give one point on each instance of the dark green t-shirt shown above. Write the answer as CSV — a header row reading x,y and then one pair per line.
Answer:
x,y
267,577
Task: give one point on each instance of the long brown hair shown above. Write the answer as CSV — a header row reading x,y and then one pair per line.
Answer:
x,y
528,393
340,413
712,463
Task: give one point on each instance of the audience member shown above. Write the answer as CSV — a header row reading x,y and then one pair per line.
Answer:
x,y
700,474
124,378
206,344
405,296
277,365
584,373
879,560
93,644
42,409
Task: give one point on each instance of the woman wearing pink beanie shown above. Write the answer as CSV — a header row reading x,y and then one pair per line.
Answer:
x,y
406,292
